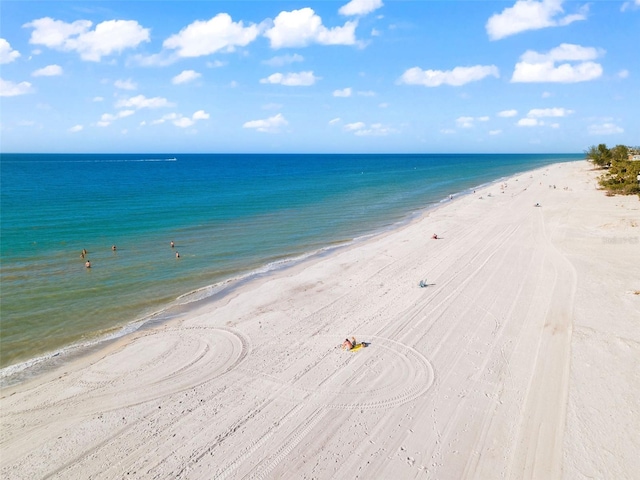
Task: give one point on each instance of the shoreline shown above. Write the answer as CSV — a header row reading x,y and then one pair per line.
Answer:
x,y
505,365
32,368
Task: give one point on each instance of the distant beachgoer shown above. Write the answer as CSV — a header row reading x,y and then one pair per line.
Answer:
x,y
87,264
349,344
172,244
113,247
177,254
434,236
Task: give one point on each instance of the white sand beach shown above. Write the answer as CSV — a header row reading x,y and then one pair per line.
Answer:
x,y
519,360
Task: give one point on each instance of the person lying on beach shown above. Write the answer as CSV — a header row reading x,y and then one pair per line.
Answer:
x,y
349,344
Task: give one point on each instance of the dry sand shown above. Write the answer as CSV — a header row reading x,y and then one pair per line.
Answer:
x,y
521,359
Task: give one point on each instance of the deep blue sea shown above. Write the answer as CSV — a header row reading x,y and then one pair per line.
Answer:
x,y
230,216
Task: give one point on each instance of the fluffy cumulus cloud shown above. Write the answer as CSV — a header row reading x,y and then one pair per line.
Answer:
x,y
282,60
360,7
125,84
576,66
11,89
185,77
530,15
606,128
220,33
140,101
535,116
76,128
268,125
456,77
469,122
180,120
549,112
630,5
108,118
48,71
345,92
7,54
302,79
303,27
108,38
508,113
361,129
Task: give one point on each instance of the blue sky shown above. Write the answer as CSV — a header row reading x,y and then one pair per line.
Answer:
x,y
319,76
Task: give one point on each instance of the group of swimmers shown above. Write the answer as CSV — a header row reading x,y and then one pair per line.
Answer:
x,y
87,264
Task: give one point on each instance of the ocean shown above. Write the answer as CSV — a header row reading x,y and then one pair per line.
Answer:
x,y
229,216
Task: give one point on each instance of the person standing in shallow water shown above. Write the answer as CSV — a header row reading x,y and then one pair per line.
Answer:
x,y
172,244
87,264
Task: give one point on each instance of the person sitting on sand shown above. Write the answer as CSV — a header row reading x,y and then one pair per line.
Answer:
x,y
434,236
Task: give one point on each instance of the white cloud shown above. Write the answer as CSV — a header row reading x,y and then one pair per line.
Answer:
x,y
109,37
166,118
529,122
345,92
530,15
538,67
367,93
48,71
495,132
350,127
631,5
220,33
125,84
303,27
200,115
465,122
546,94
360,129
283,60
335,121
98,99
7,54
180,120
360,7
302,79
447,131
268,125
624,73
76,128
183,122
508,113
605,129
456,77
140,101
11,89
549,112
185,76
216,64
108,118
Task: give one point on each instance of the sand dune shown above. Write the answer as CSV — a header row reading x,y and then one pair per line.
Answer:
x,y
520,359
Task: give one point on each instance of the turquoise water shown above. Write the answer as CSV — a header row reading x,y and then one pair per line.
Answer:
x,y
229,215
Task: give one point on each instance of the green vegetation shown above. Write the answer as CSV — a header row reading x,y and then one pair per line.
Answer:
x,y
621,175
